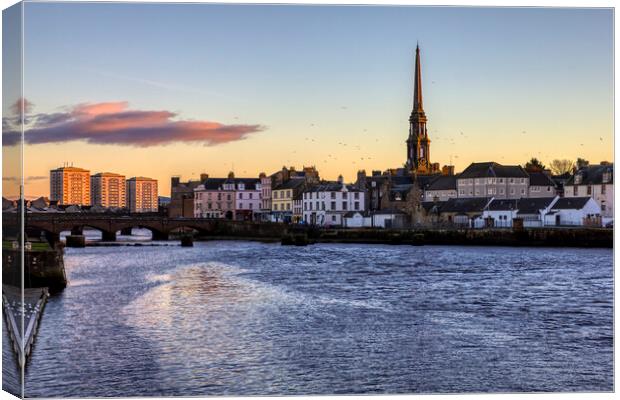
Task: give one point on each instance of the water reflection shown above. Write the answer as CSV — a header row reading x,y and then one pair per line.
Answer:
x,y
250,318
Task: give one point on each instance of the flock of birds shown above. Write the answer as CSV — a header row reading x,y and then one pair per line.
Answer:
x,y
452,140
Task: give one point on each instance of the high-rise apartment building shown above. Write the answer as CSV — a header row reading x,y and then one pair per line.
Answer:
x,y
142,194
107,189
70,185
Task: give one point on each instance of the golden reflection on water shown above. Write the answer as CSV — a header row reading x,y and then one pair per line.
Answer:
x,y
213,313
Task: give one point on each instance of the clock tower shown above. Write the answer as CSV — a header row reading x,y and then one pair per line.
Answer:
x,y
418,143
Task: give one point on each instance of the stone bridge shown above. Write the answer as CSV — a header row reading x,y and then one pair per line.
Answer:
x,y
161,226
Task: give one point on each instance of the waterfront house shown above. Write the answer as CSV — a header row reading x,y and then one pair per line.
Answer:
x,y
357,219
326,204
266,183
393,218
501,212
231,198
182,196
490,179
596,181
464,212
298,208
247,198
533,210
214,200
282,199
574,211
541,185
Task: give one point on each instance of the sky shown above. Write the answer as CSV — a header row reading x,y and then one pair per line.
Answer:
x,y
178,89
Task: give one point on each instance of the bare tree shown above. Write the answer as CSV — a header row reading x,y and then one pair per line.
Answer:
x,y
560,167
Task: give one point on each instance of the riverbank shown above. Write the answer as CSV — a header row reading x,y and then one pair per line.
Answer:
x,y
541,237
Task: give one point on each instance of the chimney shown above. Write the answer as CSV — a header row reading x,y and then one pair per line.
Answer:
x,y
447,170
175,181
340,179
204,176
361,179
231,175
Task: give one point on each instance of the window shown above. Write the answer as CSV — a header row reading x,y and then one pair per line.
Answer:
x,y
333,218
589,190
275,207
603,189
522,180
344,195
288,193
250,195
288,206
228,197
512,191
511,180
344,205
575,190
357,205
333,195
209,206
461,191
333,205
251,205
356,195
522,191
317,205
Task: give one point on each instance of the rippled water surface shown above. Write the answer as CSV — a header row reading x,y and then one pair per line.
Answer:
x,y
253,318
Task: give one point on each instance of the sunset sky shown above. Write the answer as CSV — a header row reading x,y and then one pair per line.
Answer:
x,y
178,89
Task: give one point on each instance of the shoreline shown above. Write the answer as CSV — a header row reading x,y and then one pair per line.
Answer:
x,y
574,237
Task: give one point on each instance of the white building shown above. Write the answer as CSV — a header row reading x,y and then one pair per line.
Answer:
x,y
502,211
596,181
574,211
533,210
326,204
357,219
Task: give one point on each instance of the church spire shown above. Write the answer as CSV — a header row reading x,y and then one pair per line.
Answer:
x,y
417,84
418,143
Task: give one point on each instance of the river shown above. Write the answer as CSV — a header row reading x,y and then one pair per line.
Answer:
x,y
248,318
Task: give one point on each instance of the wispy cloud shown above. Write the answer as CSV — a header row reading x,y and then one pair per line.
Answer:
x,y
115,123
28,178
174,87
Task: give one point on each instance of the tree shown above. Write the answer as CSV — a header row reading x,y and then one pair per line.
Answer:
x,y
581,162
561,167
534,165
